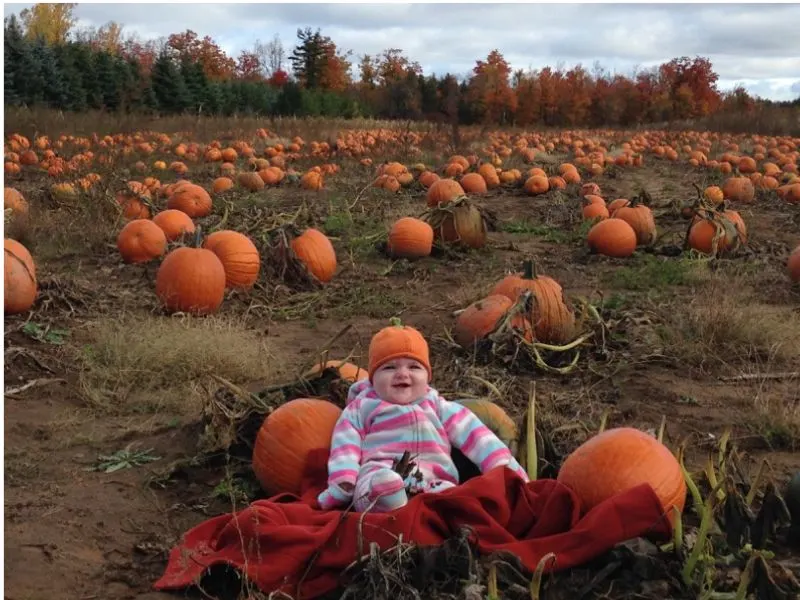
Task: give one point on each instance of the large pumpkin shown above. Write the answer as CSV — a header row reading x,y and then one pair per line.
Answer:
x,y
618,459
239,257
315,251
191,280
552,319
285,440
20,278
612,237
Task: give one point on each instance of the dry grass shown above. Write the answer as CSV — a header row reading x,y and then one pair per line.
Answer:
x,y
726,324
148,365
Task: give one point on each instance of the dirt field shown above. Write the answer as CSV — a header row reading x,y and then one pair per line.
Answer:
x,y
99,367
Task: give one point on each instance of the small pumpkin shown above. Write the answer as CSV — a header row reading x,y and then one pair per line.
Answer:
x,y
346,370
612,237
619,459
480,319
410,238
287,437
316,252
141,241
174,223
191,280
20,286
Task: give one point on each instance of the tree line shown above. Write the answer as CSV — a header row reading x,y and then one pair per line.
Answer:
x,y
49,63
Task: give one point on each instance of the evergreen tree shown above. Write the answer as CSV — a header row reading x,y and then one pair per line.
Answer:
x,y
169,88
74,92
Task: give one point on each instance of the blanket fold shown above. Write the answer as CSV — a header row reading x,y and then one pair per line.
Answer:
x,y
273,541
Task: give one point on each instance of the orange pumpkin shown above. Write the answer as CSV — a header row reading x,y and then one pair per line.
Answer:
x,y
239,257
191,199
315,251
14,200
704,230
552,319
410,238
141,240
473,183
346,371
443,191
174,223
640,217
20,285
612,237
480,319
619,459
191,280
221,184
793,265
739,189
251,181
537,184
286,439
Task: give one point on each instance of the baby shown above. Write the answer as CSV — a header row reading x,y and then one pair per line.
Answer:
x,y
394,411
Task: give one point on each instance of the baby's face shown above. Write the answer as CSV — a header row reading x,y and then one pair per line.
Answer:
x,y
400,381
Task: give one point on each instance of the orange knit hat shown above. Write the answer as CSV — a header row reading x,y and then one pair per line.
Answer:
x,y
398,341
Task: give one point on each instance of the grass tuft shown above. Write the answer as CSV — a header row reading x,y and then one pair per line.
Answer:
x,y
135,365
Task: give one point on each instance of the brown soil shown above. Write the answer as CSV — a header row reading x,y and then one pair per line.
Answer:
x,y
76,533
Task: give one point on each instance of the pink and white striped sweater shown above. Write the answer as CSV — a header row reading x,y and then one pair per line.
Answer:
x,y
372,432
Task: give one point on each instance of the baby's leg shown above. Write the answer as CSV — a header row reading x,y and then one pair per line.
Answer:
x,y
381,485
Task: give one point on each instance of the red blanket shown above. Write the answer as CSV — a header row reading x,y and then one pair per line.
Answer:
x,y
273,541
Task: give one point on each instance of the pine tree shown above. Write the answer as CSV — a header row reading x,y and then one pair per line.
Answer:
x,y
168,86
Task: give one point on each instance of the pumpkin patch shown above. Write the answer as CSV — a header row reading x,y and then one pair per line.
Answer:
x,y
203,300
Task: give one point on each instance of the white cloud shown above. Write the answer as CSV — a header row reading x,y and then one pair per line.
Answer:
x,y
753,44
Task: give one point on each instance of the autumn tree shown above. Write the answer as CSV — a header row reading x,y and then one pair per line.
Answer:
x,y
336,69
248,67
490,89
50,22
188,46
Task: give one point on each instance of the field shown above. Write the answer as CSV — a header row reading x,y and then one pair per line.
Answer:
x,y
115,443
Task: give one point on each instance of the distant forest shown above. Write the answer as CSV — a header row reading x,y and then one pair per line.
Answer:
x,y
50,63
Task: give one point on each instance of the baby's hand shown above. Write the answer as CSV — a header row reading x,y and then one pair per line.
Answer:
x,y
347,486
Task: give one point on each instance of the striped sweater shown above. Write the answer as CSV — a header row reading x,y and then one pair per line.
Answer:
x,y
371,431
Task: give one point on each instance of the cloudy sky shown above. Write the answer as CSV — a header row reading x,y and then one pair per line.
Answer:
x,y
757,45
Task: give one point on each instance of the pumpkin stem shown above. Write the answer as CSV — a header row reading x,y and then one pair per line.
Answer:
x,y
395,322
529,270
197,236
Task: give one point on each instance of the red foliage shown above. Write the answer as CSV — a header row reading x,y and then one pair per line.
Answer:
x,y
279,78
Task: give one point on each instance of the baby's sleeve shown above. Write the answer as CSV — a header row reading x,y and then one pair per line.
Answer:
x,y
476,441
